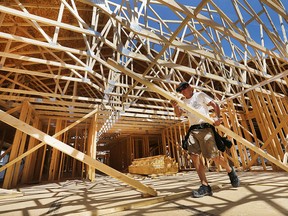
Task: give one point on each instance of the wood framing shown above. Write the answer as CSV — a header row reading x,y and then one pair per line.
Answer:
x,y
98,76
53,142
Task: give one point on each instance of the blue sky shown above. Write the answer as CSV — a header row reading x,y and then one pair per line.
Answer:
x,y
226,6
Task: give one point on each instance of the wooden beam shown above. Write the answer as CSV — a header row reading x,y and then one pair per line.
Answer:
x,y
43,61
258,85
280,10
200,6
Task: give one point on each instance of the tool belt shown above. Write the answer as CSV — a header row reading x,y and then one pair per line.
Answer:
x,y
200,126
221,142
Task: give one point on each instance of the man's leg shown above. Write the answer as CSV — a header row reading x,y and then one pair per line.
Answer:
x,y
221,161
205,188
200,168
194,147
230,170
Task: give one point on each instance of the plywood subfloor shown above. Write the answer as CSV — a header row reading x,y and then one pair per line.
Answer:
x,y
260,193
5,194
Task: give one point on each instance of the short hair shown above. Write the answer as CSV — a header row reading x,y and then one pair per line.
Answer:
x,y
182,86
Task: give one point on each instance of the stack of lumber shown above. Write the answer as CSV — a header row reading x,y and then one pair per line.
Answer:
x,y
160,164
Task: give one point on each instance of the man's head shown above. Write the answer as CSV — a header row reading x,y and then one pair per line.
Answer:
x,y
185,89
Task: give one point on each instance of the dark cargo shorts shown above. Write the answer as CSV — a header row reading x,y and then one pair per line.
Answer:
x,y
203,141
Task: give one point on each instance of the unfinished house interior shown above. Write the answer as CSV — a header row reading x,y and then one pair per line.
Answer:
x,y
86,121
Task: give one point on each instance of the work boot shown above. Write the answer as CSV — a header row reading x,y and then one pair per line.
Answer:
x,y
235,182
202,191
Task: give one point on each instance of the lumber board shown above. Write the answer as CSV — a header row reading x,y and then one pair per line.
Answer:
x,y
145,202
8,180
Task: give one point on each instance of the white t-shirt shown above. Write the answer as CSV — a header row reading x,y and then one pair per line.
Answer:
x,y
198,101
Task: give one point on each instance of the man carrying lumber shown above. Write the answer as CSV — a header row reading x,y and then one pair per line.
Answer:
x,y
201,138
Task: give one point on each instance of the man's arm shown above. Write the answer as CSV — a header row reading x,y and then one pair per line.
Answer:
x,y
217,120
177,109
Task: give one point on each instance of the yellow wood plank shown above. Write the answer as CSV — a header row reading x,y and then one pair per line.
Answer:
x,y
8,178
234,155
92,145
29,165
235,125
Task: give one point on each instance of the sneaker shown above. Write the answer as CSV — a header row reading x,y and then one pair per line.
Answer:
x,y
202,191
235,182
